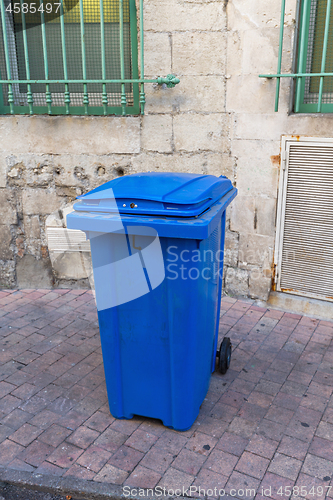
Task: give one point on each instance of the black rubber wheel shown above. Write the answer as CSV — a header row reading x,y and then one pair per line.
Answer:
x,y
225,355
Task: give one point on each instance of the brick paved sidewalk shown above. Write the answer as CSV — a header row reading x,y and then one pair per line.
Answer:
x,y
267,423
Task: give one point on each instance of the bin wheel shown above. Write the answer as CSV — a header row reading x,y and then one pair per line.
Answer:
x,y
225,355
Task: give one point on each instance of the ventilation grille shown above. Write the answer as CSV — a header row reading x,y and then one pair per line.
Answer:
x,y
307,252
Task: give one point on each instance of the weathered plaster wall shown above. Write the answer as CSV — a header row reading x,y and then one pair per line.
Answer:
x,y
219,120
45,162
252,49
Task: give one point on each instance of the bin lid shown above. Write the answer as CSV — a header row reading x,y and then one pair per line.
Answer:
x,y
156,193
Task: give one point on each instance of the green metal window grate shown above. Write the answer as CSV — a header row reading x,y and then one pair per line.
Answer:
x,y
314,74
72,57
315,44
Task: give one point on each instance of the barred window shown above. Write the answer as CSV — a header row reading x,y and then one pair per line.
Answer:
x,y
317,56
62,54
313,76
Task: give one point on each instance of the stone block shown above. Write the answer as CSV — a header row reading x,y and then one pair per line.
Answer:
x,y
39,202
259,126
199,53
258,148
231,247
234,52
257,168
34,273
259,284
259,15
243,60
89,171
7,274
197,132
29,169
256,249
71,265
307,125
236,281
173,15
6,253
8,208
257,215
156,133
69,193
198,163
246,92
265,216
39,170
159,99
257,177
97,135
200,94
264,58
16,170
157,54
31,227
72,170
242,211
270,127
250,94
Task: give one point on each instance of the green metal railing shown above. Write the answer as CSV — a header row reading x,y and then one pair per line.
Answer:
x,y
13,83
304,49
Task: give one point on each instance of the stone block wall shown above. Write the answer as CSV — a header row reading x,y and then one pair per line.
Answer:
x,y
252,49
219,120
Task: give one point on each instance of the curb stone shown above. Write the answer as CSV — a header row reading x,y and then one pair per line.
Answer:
x,y
74,487
78,489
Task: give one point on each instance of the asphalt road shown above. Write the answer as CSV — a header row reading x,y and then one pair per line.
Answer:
x,y
9,492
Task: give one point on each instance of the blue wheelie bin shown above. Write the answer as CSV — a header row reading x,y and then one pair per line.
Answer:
x,y
157,244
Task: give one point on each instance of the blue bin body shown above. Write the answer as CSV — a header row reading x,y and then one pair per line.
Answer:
x,y
159,349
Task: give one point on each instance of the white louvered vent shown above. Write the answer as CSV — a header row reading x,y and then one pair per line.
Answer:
x,y
305,221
